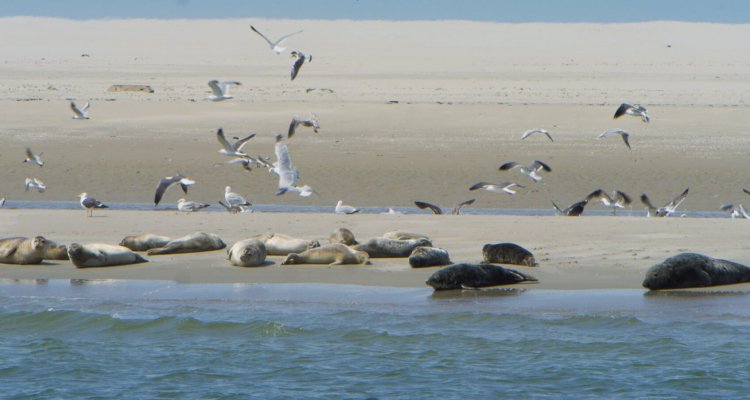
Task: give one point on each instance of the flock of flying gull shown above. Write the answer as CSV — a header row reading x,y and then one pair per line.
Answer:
x,y
289,175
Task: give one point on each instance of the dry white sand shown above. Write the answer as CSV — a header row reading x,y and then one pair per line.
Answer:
x,y
465,92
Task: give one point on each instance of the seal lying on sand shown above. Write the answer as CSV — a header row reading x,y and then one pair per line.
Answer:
x,y
399,235
247,253
195,242
144,241
694,270
278,244
54,251
331,254
461,276
343,236
21,250
102,255
428,257
507,253
389,248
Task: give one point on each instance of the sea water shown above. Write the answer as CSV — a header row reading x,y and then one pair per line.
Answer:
x,y
125,339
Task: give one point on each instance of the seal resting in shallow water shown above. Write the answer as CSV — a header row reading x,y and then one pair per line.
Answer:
x,y
102,255
21,250
507,253
391,248
471,276
331,254
279,244
343,236
247,253
428,257
694,270
144,241
195,242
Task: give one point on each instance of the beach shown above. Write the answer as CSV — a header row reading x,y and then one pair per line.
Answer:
x,y
408,111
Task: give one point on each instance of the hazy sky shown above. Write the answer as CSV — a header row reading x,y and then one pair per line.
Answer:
x,y
725,11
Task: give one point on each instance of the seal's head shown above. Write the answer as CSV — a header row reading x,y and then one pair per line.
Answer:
x,y
74,249
680,271
313,244
363,257
38,243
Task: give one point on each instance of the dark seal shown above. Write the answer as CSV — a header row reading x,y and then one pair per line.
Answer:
x,y
461,276
507,253
428,257
688,270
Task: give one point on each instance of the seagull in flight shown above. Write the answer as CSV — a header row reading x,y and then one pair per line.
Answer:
x,y
190,206
312,122
33,158
636,110
33,183
275,46
232,149
166,183
573,210
618,199
221,89
736,211
90,203
529,170
300,59
505,187
342,208
620,132
533,131
80,113
437,210
668,209
288,174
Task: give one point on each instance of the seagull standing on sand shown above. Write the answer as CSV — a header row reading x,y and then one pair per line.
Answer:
x,y
234,199
573,210
80,113
668,209
505,187
312,122
231,209
288,174
166,183
533,131
437,210
32,158
342,208
221,89
620,132
232,149
190,206
33,183
90,203
528,170
300,59
618,199
636,110
275,46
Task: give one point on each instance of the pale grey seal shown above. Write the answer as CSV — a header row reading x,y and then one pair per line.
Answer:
x,y
247,253
195,242
389,248
144,241
343,236
331,254
21,250
102,255
279,244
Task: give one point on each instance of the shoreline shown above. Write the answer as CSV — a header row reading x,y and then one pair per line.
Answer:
x,y
579,253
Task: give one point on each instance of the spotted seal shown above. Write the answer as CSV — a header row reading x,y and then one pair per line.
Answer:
x,y
507,253
144,241
195,242
694,270
428,257
21,250
471,276
247,253
331,254
390,248
102,255
400,235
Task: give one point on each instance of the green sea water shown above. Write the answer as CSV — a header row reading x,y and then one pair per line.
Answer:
x,y
122,339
